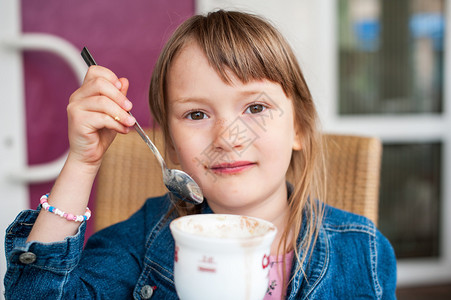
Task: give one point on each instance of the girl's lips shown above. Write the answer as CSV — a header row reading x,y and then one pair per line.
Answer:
x,y
232,168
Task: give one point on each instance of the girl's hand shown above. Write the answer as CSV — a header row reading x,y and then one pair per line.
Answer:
x,y
91,114
96,112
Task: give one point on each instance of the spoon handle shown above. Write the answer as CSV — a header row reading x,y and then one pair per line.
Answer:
x,y
91,62
149,143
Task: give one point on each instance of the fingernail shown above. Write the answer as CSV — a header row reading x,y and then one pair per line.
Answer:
x,y
131,120
127,105
118,84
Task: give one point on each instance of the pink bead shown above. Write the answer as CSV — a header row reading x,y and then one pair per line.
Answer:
x,y
70,217
65,215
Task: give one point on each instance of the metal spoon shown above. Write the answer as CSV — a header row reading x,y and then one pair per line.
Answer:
x,y
178,182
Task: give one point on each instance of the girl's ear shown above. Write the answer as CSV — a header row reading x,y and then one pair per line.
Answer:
x,y
297,144
297,140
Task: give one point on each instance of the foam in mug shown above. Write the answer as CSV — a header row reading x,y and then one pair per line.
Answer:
x,y
221,256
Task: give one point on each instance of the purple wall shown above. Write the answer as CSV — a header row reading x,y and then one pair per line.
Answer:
x,y
125,36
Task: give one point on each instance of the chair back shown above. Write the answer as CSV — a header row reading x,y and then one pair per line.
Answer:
x,y
130,174
353,166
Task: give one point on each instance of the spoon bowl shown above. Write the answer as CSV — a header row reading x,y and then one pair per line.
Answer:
x,y
181,185
176,181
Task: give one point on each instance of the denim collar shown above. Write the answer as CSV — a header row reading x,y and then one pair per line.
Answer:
x,y
314,267
305,279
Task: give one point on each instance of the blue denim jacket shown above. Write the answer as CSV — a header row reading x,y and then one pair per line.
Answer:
x,y
134,259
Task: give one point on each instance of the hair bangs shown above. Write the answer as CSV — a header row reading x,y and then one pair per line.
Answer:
x,y
242,46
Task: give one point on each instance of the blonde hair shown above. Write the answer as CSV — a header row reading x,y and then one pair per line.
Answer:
x,y
252,49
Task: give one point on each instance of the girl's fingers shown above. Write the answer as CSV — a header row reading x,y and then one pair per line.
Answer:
x,y
100,121
124,86
95,122
102,87
102,81
99,71
102,105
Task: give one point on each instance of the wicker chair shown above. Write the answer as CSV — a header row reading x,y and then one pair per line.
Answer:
x,y
130,173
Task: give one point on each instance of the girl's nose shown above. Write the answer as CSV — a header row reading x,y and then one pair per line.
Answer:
x,y
230,135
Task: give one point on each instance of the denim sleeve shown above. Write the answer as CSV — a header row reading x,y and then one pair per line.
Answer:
x,y
386,267
38,268
108,266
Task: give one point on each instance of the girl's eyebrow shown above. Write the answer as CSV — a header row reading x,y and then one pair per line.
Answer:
x,y
241,94
190,100
244,93
248,93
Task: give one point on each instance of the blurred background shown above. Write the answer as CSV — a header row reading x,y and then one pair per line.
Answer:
x,y
375,67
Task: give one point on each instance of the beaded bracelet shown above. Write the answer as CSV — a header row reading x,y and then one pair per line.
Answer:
x,y
70,217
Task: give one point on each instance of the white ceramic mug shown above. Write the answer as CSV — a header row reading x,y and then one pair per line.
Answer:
x,y
221,256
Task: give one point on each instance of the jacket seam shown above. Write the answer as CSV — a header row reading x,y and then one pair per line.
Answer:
x,y
8,277
141,280
324,268
156,229
157,271
363,229
374,276
61,287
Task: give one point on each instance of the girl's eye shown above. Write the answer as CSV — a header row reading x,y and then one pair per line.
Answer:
x,y
196,115
255,108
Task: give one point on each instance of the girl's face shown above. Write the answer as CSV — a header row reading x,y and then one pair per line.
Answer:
x,y
234,139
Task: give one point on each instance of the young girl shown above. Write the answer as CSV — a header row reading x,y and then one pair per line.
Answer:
x,y
236,114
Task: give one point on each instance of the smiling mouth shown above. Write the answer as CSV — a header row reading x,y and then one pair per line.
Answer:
x,y
233,167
